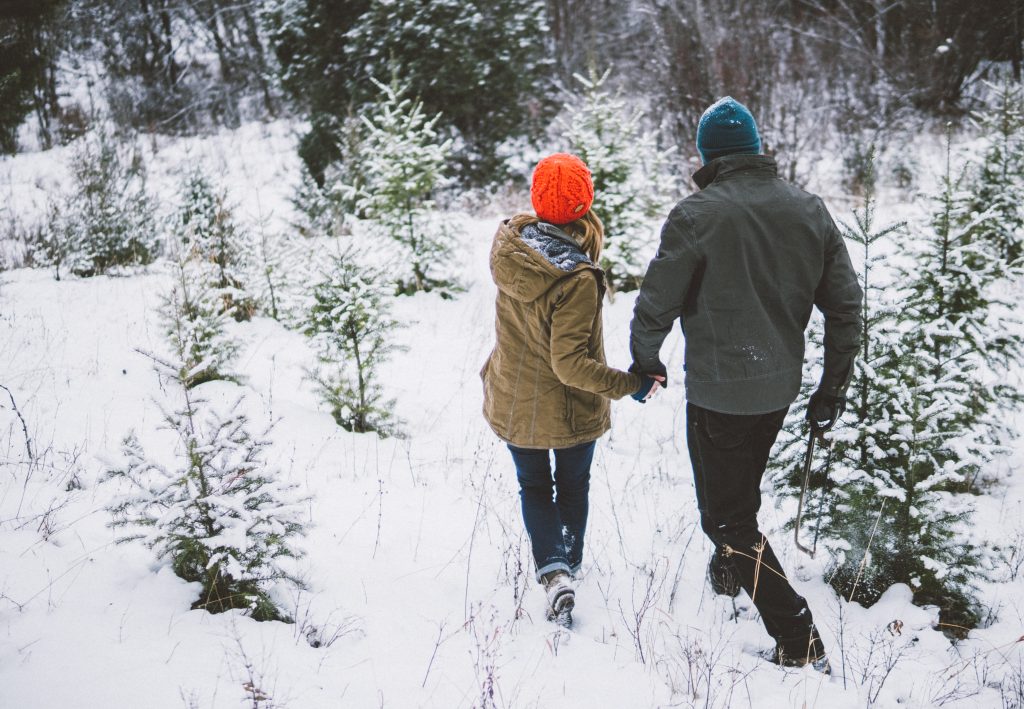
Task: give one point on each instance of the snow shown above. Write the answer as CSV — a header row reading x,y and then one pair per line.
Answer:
x,y
418,567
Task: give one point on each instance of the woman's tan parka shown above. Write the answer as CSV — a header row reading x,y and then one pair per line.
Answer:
x,y
546,384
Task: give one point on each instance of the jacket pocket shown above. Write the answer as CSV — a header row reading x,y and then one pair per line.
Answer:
x,y
589,411
570,412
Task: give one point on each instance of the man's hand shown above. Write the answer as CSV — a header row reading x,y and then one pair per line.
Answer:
x,y
823,410
658,371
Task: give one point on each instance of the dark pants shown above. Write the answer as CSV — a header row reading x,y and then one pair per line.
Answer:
x,y
729,453
555,506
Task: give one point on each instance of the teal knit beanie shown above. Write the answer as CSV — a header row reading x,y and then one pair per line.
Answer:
x,y
727,127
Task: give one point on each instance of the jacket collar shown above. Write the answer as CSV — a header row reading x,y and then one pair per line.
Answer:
x,y
729,166
556,233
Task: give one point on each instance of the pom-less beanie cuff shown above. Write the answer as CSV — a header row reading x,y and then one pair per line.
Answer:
x,y
562,190
750,148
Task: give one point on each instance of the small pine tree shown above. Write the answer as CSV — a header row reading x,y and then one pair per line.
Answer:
x,y
212,237
219,514
351,326
317,212
323,207
963,330
896,508
107,219
278,274
631,181
402,167
50,244
997,188
194,323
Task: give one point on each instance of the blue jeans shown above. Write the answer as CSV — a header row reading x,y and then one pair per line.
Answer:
x,y
555,506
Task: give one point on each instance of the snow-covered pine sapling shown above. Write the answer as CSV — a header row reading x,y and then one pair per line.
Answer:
x,y
996,188
320,211
887,516
195,325
218,513
350,323
935,420
213,240
50,245
966,330
402,166
277,274
632,185
324,208
106,220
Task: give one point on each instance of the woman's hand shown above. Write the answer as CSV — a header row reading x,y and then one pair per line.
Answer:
x,y
651,384
658,381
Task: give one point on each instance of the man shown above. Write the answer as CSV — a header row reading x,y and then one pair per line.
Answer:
x,y
741,263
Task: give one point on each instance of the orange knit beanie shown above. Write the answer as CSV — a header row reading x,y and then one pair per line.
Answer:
x,y
562,190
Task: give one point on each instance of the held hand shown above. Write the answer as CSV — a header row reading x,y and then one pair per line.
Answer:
x,y
647,388
823,410
658,381
656,371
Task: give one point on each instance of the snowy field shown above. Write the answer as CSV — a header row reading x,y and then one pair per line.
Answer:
x,y
420,590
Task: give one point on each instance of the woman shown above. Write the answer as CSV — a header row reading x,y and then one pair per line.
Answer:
x,y
546,384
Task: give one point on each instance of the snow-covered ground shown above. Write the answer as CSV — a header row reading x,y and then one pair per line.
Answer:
x,y
419,571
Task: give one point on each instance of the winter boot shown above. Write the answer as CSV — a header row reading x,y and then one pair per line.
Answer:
x,y
561,597
802,650
723,578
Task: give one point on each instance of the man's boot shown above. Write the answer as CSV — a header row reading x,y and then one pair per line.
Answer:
x,y
802,650
722,577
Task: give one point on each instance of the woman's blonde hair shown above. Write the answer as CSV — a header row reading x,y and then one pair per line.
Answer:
x,y
588,231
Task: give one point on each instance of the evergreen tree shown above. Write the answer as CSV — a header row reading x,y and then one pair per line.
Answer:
x,y
997,189
964,330
219,514
310,38
29,47
631,181
325,209
351,326
107,219
279,275
50,245
923,421
212,238
403,165
896,515
194,322
478,62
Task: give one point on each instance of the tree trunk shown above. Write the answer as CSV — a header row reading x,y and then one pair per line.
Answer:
x,y
253,36
1017,38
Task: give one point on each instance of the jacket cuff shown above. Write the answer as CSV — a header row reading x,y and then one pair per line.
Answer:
x,y
645,388
657,368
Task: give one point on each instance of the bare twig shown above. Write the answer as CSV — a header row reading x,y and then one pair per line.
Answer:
x,y
864,560
380,515
24,426
433,655
472,539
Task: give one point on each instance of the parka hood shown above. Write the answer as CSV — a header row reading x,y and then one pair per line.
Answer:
x,y
524,265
